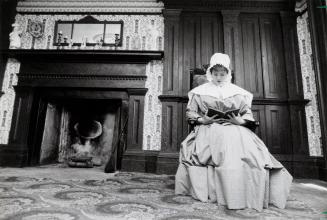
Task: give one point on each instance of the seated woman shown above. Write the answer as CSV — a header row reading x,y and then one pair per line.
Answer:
x,y
221,160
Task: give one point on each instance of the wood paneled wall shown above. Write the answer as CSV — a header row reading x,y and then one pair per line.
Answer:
x,y
190,40
318,31
264,55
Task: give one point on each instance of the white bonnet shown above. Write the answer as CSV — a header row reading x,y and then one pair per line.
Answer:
x,y
222,59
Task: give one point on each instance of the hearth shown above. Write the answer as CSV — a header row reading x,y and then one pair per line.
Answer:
x,y
61,138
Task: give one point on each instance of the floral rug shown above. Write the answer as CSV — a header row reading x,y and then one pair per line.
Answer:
x,y
121,196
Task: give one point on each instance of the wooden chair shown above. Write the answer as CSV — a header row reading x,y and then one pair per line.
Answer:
x,y
198,77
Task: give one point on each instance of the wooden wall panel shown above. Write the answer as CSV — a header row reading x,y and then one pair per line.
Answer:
x,y
198,37
292,57
299,128
273,64
169,127
256,44
259,115
135,122
251,54
278,129
232,44
20,124
189,30
135,125
171,65
201,37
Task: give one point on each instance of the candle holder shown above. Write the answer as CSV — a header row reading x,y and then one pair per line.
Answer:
x,y
117,41
59,39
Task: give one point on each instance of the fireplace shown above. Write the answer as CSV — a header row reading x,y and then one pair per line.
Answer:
x,y
58,89
56,112
60,136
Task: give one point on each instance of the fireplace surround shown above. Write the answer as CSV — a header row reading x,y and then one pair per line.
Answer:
x,y
88,76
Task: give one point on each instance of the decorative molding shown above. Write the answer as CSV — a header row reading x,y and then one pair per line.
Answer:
x,y
228,4
109,55
173,98
230,16
137,91
88,6
75,76
88,19
256,101
36,28
172,14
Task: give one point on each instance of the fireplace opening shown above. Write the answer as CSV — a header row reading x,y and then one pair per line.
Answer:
x,y
80,128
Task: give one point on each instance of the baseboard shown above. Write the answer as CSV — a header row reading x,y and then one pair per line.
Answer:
x,y
167,163
150,162
323,173
12,156
140,161
306,170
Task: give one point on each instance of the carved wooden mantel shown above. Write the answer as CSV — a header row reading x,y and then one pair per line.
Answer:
x,y
74,74
130,56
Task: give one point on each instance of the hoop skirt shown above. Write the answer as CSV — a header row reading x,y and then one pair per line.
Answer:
x,y
229,164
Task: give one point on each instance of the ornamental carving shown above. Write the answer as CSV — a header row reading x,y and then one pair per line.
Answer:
x,y
87,6
88,77
36,28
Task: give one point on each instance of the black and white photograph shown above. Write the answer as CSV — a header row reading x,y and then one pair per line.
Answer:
x,y
163,109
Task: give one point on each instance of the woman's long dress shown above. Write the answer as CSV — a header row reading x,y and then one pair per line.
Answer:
x,y
229,164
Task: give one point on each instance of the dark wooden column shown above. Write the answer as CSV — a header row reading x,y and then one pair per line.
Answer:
x,y
172,27
136,116
134,158
16,152
297,103
232,44
167,160
318,31
122,134
292,57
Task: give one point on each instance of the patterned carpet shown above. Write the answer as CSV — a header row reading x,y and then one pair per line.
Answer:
x,y
120,196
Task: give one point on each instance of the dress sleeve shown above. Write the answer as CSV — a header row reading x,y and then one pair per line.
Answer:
x,y
246,109
192,109
247,114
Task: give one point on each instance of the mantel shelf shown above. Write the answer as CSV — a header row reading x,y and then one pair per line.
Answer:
x,y
120,56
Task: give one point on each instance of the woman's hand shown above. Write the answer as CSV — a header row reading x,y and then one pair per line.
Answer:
x,y
205,120
236,119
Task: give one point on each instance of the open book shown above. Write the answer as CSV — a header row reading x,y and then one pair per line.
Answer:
x,y
211,112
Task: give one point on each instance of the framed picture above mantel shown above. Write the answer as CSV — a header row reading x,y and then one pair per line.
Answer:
x,y
88,32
